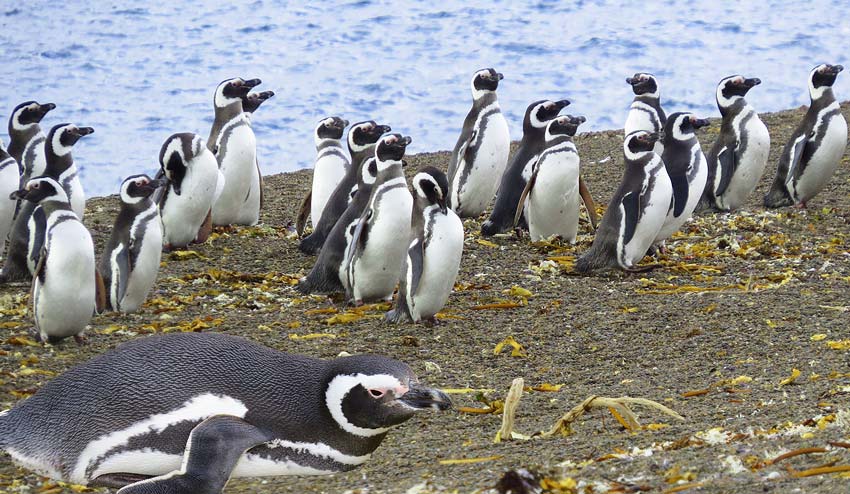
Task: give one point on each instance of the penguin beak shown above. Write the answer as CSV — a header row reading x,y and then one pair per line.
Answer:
x,y
631,81
562,104
156,183
755,81
421,397
835,69
344,123
19,194
442,203
578,120
405,141
251,83
84,131
699,123
46,108
499,76
384,129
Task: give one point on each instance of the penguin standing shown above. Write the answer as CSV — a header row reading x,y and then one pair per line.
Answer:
x,y
63,285
434,252
645,112
537,116
481,152
26,140
241,410
331,164
193,183
553,194
235,148
362,137
636,212
130,260
27,236
737,159
685,164
9,176
814,151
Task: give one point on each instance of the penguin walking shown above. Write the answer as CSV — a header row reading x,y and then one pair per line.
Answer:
x,y
63,285
235,148
481,152
362,137
331,164
814,151
241,410
552,197
738,157
517,173
26,140
9,176
636,212
130,260
193,184
685,164
434,252
645,112
28,230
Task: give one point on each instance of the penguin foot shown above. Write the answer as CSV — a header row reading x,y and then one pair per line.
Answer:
x,y
488,229
81,340
432,321
642,268
396,316
36,334
518,233
801,205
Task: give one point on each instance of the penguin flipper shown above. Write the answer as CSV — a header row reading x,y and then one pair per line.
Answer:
x,y
99,293
727,163
358,240
212,451
416,260
584,192
303,213
38,225
795,165
408,284
260,175
120,275
631,214
520,207
681,188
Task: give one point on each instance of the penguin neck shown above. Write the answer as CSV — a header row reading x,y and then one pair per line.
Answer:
x,y
821,97
484,99
223,114
50,206
358,157
388,170
653,100
131,210
18,140
57,165
327,142
737,104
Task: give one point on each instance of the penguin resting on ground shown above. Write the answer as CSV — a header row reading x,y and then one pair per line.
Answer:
x,y
636,212
331,164
814,150
537,116
481,152
737,159
241,410
130,261
645,112
433,255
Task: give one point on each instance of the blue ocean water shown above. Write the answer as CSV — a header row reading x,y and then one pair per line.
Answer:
x,y
140,71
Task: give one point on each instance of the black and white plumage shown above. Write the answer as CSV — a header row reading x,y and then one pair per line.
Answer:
x,y
294,415
63,285
685,164
481,152
636,212
9,183
252,101
645,112
130,260
362,137
814,150
434,253
26,140
331,164
235,146
518,171
738,157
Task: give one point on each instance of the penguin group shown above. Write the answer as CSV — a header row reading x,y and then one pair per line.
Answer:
x,y
377,238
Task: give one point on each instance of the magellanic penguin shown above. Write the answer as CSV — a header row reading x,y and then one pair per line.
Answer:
x,y
645,112
636,212
9,177
685,164
362,137
252,101
241,410
737,159
63,285
193,184
130,261
235,146
517,173
374,255
27,236
481,152
814,151
433,255
26,140
331,164
552,197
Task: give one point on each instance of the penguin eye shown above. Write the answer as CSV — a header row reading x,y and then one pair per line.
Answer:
x,y
377,393
36,185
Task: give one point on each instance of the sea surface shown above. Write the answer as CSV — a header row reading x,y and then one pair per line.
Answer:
x,y
139,71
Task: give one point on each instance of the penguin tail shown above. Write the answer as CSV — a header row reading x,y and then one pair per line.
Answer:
x,y
397,316
594,259
488,229
311,244
778,196
304,286
5,427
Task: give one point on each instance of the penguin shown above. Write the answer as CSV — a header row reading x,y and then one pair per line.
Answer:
x,y
362,137
235,148
434,253
685,164
331,164
28,229
63,285
552,197
517,173
193,184
481,152
738,157
814,151
241,410
26,140
645,112
636,212
130,259
252,101
9,177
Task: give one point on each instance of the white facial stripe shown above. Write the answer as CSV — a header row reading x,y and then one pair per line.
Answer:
x,y
220,99
814,92
677,128
198,408
628,152
58,148
478,93
386,164
175,146
367,177
393,182
723,101
59,195
16,118
534,121
424,177
339,388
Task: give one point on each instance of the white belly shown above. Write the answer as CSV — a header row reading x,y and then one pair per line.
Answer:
x,y
64,303
8,185
239,202
327,174
440,266
486,170
183,214
751,166
696,187
649,223
147,266
553,203
824,161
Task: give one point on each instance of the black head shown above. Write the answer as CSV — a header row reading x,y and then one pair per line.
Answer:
x,y
137,187
41,189
62,138
484,81
331,128
734,87
644,84
432,185
639,142
538,114
230,91
682,125
28,113
823,76
564,125
252,101
364,134
175,154
391,148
